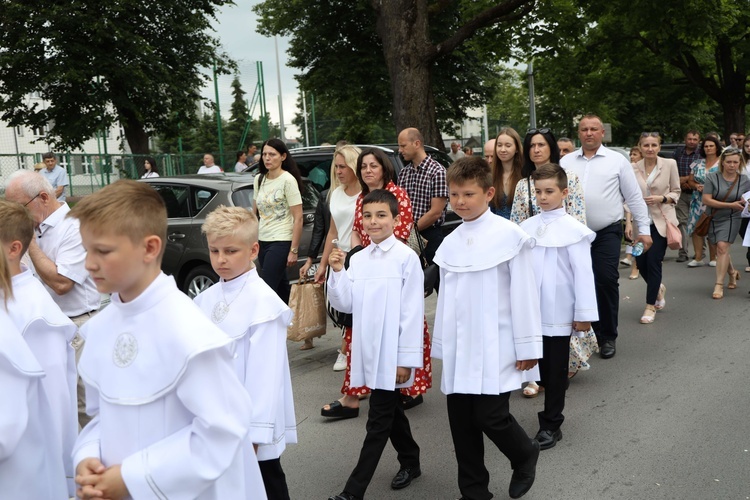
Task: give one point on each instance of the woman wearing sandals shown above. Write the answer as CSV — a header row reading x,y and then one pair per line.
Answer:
x,y
659,180
709,162
722,195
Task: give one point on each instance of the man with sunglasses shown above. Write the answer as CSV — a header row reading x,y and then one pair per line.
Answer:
x,y
57,255
608,181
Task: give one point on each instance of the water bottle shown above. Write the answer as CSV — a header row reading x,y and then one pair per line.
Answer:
x,y
637,249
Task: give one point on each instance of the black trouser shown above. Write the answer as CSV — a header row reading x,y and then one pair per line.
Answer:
x,y
434,237
385,420
272,258
650,265
274,479
605,258
470,416
553,371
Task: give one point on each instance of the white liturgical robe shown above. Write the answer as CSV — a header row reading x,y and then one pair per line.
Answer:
x,y
487,315
48,333
562,266
31,464
383,289
165,401
257,321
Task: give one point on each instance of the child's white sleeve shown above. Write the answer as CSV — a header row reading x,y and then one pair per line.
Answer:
x,y
524,306
411,322
14,416
340,291
186,463
583,282
88,442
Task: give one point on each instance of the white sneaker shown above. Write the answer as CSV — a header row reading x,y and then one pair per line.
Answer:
x,y
712,263
695,263
340,364
626,261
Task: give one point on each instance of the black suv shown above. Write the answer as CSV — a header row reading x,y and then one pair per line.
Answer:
x,y
315,164
189,198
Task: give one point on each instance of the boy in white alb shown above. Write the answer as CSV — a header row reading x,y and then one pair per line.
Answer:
x,y
31,464
487,331
169,415
46,330
562,265
251,313
383,289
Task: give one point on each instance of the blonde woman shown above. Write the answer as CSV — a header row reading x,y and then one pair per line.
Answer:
x,y
659,181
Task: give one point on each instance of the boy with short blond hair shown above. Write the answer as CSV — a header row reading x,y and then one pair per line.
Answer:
x,y
169,414
565,279
383,289
487,331
256,319
46,330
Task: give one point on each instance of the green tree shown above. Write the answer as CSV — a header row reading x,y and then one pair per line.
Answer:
x,y
412,60
136,62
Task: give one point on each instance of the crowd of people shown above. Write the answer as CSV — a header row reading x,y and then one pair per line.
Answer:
x,y
527,292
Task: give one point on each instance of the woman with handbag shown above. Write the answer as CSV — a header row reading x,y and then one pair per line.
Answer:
x,y
659,180
722,195
709,153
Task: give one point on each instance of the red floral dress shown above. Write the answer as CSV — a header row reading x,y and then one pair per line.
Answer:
x,y
422,376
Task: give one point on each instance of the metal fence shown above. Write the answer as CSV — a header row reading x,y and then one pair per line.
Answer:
x,y
90,172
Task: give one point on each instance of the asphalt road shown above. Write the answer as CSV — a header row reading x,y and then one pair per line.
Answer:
x,y
667,418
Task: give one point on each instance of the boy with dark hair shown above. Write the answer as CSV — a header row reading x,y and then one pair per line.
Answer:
x,y
383,290
169,414
256,319
565,279
487,331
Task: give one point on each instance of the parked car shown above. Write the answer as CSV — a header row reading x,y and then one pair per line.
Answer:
x,y
189,198
315,164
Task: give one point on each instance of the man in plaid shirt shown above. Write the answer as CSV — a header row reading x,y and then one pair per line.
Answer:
x,y
685,156
423,178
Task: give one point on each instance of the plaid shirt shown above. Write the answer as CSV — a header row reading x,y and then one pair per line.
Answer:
x,y
423,183
684,160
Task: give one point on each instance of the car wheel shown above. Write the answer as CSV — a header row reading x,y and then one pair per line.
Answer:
x,y
199,279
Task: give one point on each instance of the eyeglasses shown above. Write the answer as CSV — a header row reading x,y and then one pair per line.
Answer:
x,y
535,131
34,198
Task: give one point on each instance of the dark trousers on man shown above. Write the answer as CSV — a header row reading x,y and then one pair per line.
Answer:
x,y
386,420
274,479
605,258
553,373
472,415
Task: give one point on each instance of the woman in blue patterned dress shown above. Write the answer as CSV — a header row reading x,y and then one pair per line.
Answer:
x,y
709,152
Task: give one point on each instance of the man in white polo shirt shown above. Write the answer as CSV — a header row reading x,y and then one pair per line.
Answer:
x,y
57,255
608,180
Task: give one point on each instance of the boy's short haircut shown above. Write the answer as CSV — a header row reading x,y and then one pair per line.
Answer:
x,y
17,225
127,208
382,196
232,221
551,171
470,168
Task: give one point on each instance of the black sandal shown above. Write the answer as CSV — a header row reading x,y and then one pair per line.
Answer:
x,y
337,410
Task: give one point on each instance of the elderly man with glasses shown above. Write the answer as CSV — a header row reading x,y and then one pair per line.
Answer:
x,y
57,255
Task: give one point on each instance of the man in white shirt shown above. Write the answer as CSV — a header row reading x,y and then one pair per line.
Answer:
x,y
209,167
57,255
608,180
456,152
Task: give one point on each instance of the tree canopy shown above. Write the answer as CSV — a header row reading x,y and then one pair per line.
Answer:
x,y
94,63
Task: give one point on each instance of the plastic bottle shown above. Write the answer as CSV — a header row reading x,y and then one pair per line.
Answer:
x,y
637,249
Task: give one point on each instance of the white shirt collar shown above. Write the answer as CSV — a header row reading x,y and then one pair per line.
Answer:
x,y
384,245
54,218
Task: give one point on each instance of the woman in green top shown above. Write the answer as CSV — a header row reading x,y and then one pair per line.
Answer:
x,y
278,202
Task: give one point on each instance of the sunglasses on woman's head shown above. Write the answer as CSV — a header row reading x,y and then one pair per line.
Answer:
x,y
535,131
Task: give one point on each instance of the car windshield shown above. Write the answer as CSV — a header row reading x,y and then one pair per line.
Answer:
x,y
243,197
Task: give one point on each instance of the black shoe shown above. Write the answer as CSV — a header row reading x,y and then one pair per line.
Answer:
x,y
681,258
410,402
548,439
524,474
344,495
608,349
404,477
337,410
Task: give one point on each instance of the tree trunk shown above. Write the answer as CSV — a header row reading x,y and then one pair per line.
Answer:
x,y
403,27
135,133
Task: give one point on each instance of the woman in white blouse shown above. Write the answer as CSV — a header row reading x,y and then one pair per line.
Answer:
x,y
149,168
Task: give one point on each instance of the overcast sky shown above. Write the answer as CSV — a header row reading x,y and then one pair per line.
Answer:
x,y
236,32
